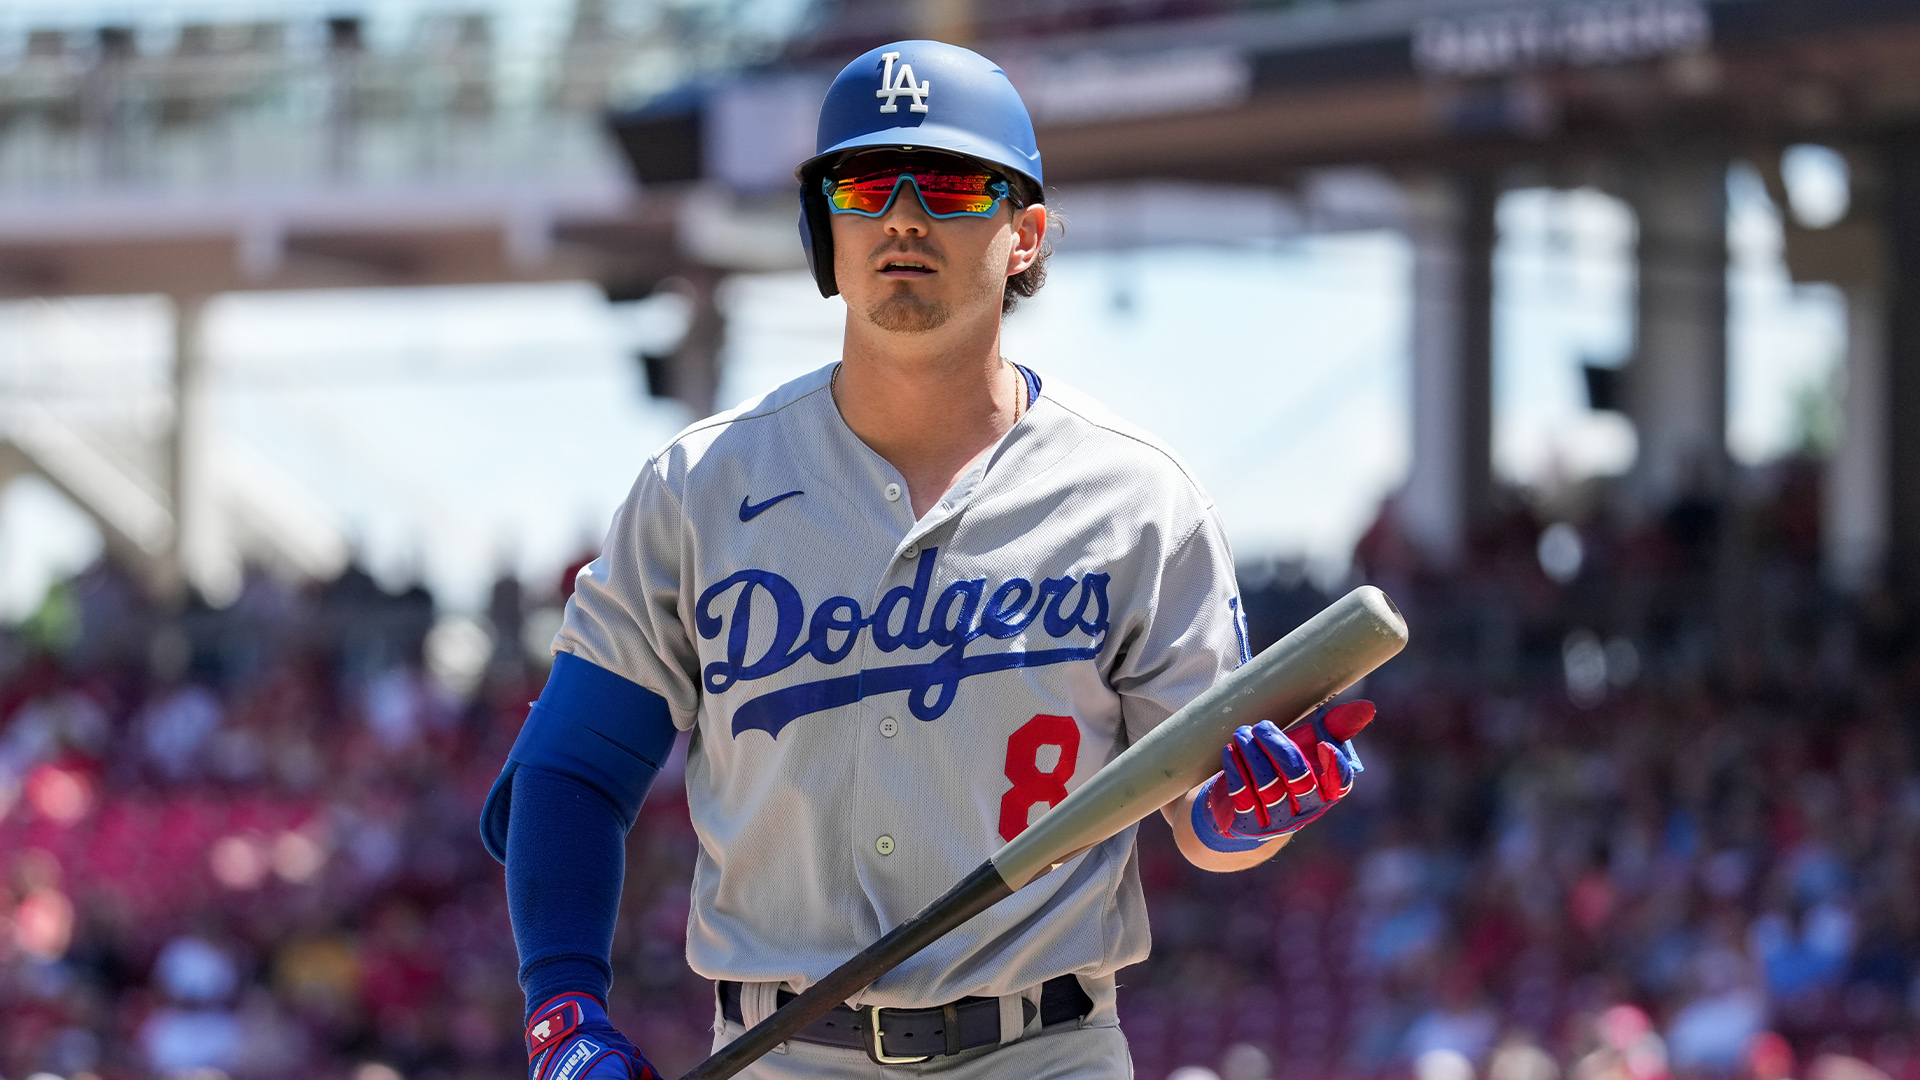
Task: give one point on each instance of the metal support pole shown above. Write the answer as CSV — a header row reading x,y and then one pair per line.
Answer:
x,y
1857,481
183,470
692,370
1677,385
1449,489
1903,357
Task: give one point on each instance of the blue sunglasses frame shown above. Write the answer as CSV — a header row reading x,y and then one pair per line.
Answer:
x,y
1000,188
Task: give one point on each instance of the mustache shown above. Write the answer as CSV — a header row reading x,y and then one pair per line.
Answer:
x,y
917,246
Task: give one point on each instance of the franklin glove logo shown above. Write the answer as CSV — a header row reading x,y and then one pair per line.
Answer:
x,y
577,1060
892,85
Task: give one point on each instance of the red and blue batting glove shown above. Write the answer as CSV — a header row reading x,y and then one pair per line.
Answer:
x,y
569,1038
1271,782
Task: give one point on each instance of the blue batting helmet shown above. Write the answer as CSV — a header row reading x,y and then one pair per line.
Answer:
x,y
913,95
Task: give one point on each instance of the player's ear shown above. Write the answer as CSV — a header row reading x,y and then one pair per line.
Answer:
x,y
1029,230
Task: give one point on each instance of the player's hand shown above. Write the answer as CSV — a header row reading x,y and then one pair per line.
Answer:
x,y
569,1038
1272,782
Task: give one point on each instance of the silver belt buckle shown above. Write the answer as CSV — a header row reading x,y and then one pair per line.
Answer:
x,y
876,1049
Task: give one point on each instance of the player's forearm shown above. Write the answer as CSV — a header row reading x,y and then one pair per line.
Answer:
x,y
1179,815
566,859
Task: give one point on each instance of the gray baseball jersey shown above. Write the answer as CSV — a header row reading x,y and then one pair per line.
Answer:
x,y
877,703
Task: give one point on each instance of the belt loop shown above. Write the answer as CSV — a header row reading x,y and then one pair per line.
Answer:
x,y
757,1002
950,1021
1102,990
1030,1009
1012,1023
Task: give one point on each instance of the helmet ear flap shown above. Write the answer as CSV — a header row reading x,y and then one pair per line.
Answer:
x,y
816,237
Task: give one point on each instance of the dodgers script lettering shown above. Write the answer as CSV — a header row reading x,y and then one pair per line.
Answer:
x,y
963,613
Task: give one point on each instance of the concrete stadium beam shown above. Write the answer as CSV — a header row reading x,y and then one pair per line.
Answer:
x,y
1449,487
1677,380
1901,151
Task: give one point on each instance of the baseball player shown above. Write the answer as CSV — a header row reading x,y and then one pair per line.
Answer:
x,y
904,604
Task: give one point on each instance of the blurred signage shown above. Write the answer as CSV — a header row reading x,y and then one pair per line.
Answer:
x,y
1492,42
757,130
1100,86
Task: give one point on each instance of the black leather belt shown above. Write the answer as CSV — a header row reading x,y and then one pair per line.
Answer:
x,y
910,1035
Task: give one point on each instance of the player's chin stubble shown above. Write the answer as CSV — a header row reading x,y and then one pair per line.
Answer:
x,y
905,313
902,310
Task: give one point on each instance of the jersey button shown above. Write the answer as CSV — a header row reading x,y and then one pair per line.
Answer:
x,y
912,552
884,845
893,492
889,727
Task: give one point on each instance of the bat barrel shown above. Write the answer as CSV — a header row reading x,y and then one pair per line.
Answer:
x,y
1289,679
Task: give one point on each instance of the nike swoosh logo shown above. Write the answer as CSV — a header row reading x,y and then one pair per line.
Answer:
x,y
750,510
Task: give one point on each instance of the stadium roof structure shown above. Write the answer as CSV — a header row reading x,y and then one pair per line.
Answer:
x,y
1254,96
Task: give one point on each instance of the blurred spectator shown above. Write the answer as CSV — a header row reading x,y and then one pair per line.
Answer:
x,y
1518,1057
1460,1022
1770,1057
176,726
194,971
1627,1048
1727,1009
194,1031
1442,1064
1245,1061
1842,1067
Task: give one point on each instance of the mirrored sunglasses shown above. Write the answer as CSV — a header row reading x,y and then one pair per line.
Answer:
x,y
943,193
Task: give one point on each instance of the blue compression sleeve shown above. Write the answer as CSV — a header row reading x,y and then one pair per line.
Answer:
x,y
558,818
592,725
566,859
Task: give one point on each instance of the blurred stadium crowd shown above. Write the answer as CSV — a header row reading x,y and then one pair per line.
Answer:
x,y
1642,804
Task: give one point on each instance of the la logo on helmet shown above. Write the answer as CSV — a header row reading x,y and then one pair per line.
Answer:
x,y
892,86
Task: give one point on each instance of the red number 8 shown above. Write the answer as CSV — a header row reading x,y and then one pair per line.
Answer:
x,y
1030,785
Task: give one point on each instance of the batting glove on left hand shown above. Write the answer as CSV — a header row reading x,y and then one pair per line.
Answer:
x,y
570,1038
1272,782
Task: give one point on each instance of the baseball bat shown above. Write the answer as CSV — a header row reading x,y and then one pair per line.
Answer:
x,y
1293,677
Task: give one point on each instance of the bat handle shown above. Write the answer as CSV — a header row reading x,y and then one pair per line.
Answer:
x,y
975,893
